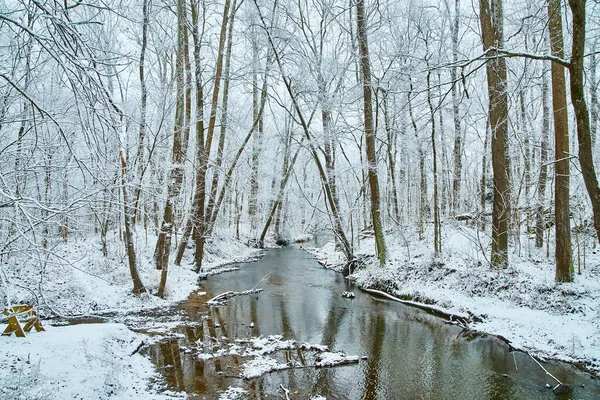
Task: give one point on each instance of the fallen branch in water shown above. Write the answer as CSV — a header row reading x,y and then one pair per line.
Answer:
x,y
455,318
329,359
204,275
262,365
558,388
221,298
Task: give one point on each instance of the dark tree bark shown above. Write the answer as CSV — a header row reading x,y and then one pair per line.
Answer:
x,y
138,286
484,173
564,260
163,244
199,217
586,160
437,237
256,140
224,115
422,208
361,36
491,17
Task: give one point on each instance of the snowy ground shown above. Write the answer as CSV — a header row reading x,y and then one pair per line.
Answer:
x,y
523,303
92,361
97,361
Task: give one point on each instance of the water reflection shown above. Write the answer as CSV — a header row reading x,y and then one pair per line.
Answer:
x,y
410,354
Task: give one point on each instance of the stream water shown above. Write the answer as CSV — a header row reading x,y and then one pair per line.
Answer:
x,y
410,354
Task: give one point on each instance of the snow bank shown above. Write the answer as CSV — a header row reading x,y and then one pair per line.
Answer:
x,y
95,361
79,280
522,304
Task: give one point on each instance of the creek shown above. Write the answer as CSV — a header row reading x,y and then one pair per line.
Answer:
x,y
410,354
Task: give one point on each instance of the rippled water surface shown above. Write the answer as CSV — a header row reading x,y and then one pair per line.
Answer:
x,y
409,353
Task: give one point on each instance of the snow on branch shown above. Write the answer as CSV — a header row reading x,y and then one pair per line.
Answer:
x,y
223,297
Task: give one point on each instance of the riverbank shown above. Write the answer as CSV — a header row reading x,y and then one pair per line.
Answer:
x,y
522,304
93,361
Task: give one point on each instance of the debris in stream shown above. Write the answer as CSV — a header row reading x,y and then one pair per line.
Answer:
x,y
329,359
258,349
222,298
233,393
216,271
260,366
348,295
563,389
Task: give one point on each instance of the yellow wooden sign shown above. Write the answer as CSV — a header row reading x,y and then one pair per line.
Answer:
x,y
27,315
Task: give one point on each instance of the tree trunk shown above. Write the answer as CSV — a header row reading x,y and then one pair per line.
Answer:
x,y
492,32
361,35
143,108
594,104
256,141
484,172
586,160
391,149
437,239
212,213
564,260
457,152
138,286
422,204
540,223
329,154
203,148
163,244
224,116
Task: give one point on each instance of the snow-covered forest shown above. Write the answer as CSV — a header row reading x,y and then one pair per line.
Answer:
x,y
446,148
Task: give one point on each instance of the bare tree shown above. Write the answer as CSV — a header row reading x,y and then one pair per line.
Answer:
x,y
361,35
564,260
163,244
540,223
586,160
491,18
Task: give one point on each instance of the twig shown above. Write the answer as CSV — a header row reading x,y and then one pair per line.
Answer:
x,y
227,295
138,348
545,370
264,277
285,391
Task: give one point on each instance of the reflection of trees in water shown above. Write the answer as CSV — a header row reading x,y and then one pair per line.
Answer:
x,y
375,334
331,329
411,354
254,315
498,385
